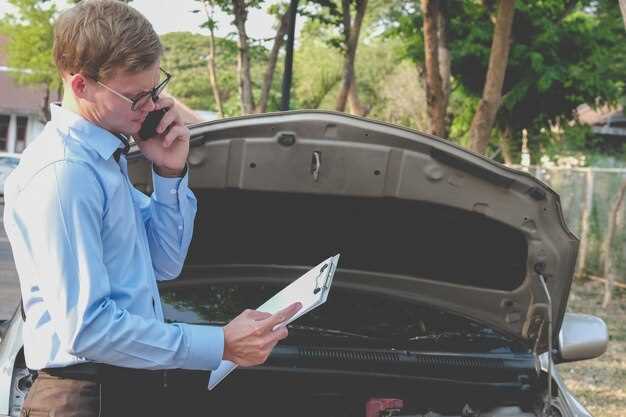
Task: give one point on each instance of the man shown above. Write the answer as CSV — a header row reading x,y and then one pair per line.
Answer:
x,y
89,247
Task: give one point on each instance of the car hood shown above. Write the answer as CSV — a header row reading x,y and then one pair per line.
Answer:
x,y
413,215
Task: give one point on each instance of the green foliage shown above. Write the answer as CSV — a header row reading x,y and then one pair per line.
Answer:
x,y
559,60
186,58
377,64
563,54
571,141
29,46
314,82
462,106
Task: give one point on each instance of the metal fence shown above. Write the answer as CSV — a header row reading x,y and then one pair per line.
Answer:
x,y
588,197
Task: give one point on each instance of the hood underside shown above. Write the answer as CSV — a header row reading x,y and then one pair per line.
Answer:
x,y
413,216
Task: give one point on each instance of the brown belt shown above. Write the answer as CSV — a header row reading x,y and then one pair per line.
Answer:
x,y
99,372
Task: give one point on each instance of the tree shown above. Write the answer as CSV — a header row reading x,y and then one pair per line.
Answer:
x,y
315,85
351,32
563,54
209,7
480,131
29,50
239,10
339,25
436,64
186,58
282,14
382,75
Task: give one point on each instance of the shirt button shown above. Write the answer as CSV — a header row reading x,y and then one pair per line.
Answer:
x,y
180,227
173,191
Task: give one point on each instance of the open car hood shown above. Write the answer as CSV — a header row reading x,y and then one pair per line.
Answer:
x,y
414,216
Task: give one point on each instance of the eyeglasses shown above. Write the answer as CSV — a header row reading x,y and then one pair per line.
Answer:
x,y
141,99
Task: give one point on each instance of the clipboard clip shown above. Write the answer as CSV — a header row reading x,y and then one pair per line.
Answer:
x,y
318,288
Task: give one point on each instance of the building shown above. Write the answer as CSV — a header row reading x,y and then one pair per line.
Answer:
x,y
604,121
21,117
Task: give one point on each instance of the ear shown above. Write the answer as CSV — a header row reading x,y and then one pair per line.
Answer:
x,y
80,85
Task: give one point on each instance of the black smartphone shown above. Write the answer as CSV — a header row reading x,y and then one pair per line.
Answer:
x,y
148,128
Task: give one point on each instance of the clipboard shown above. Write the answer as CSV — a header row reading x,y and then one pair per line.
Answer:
x,y
311,289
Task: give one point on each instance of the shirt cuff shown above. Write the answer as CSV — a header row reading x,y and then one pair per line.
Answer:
x,y
206,346
166,189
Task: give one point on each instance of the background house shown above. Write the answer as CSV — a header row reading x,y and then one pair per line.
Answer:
x,y
21,118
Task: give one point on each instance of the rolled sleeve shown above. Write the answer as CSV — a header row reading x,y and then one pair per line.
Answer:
x,y
206,346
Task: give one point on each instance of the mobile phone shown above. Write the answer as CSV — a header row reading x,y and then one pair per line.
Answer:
x,y
148,128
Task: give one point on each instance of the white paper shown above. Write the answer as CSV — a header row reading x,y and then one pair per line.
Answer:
x,y
302,290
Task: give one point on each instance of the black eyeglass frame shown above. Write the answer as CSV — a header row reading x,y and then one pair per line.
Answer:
x,y
154,92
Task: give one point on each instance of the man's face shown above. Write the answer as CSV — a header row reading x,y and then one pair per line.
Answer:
x,y
113,112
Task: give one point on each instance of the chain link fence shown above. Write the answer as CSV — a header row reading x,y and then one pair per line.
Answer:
x,y
589,197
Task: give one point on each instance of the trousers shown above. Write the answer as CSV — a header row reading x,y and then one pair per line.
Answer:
x,y
107,394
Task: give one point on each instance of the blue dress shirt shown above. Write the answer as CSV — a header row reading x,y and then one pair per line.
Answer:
x,y
89,249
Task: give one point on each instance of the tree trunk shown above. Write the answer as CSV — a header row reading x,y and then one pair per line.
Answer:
x,y
622,6
243,57
351,32
268,77
445,63
480,130
584,225
434,90
506,145
213,75
606,247
356,107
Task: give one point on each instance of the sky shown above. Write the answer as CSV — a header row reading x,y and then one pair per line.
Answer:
x,y
175,15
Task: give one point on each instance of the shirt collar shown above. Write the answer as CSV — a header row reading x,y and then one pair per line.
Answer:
x,y
86,132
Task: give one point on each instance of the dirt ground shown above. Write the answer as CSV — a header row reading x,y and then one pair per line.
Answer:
x,y
600,384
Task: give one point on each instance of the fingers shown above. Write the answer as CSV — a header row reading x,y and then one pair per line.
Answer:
x,y
164,102
168,118
171,116
176,132
249,338
257,315
283,315
267,342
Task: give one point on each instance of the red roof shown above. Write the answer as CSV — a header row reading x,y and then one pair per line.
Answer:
x,y
587,115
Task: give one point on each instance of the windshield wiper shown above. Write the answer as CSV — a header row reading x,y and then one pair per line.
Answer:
x,y
298,328
466,336
330,332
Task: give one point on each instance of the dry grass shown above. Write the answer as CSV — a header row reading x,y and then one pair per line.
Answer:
x,y
600,384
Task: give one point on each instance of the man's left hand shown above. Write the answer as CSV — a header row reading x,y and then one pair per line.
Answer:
x,y
167,150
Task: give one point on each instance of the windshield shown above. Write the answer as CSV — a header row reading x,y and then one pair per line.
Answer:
x,y
348,318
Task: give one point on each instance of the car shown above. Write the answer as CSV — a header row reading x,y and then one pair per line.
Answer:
x,y
8,162
449,298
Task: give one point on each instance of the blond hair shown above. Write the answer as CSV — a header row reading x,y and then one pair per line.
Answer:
x,y
100,37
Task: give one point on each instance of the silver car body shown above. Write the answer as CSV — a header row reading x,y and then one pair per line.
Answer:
x,y
332,154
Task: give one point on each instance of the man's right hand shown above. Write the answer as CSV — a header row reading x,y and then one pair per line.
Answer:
x,y
249,338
